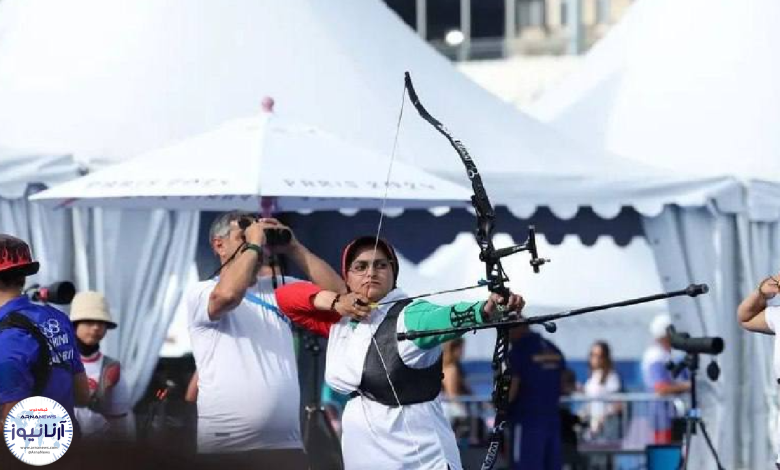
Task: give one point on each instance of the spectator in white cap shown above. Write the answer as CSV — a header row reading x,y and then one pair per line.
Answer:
x,y
109,414
657,377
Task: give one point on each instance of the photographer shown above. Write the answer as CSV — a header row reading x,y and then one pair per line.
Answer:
x,y
38,355
659,379
248,396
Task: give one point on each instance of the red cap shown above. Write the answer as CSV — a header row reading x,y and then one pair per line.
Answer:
x,y
15,257
348,255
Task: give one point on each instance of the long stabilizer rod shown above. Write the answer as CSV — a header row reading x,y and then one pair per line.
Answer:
x,y
692,290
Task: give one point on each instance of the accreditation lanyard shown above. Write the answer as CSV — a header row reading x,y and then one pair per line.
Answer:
x,y
269,306
258,301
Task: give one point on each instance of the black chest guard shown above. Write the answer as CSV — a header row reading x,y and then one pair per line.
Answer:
x,y
412,385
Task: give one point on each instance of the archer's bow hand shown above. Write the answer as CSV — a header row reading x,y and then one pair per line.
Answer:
x,y
497,306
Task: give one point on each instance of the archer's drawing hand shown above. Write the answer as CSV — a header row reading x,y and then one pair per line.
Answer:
x,y
353,305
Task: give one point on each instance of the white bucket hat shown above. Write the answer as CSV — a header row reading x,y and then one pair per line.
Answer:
x,y
90,306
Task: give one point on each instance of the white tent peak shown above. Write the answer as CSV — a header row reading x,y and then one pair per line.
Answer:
x,y
688,85
267,104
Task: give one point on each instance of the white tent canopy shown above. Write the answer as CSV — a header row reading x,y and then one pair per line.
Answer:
x,y
691,85
19,169
47,232
688,102
705,103
263,158
160,73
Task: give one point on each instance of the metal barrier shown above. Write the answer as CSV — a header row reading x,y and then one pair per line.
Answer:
x,y
613,431
627,420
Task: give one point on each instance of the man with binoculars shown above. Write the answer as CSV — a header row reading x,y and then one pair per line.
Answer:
x,y
248,392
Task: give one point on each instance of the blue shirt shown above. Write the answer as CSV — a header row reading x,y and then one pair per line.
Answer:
x,y
19,351
538,364
654,373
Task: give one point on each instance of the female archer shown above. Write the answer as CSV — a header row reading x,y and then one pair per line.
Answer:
x,y
394,418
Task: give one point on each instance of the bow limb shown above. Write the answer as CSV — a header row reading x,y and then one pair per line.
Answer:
x,y
494,273
486,214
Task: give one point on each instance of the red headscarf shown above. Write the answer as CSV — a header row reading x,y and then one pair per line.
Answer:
x,y
350,251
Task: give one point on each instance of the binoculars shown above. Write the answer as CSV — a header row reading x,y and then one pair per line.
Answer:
x,y
273,236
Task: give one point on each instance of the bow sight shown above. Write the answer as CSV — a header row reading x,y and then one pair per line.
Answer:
x,y
529,246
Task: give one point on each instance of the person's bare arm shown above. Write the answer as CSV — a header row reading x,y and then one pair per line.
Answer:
x,y
237,276
672,388
191,395
751,312
450,382
354,305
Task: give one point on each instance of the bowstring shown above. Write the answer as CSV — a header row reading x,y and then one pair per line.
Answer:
x,y
373,258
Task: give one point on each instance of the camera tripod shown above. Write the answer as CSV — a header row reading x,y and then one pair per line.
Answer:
x,y
320,439
693,416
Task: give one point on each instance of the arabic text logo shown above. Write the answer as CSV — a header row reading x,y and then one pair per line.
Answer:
x,y
38,431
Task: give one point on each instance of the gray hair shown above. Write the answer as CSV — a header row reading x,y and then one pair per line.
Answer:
x,y
220,228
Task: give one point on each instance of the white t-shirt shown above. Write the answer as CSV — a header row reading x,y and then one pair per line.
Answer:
x,y
593,388
772,316
115,403
380,437
653,365
248,391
